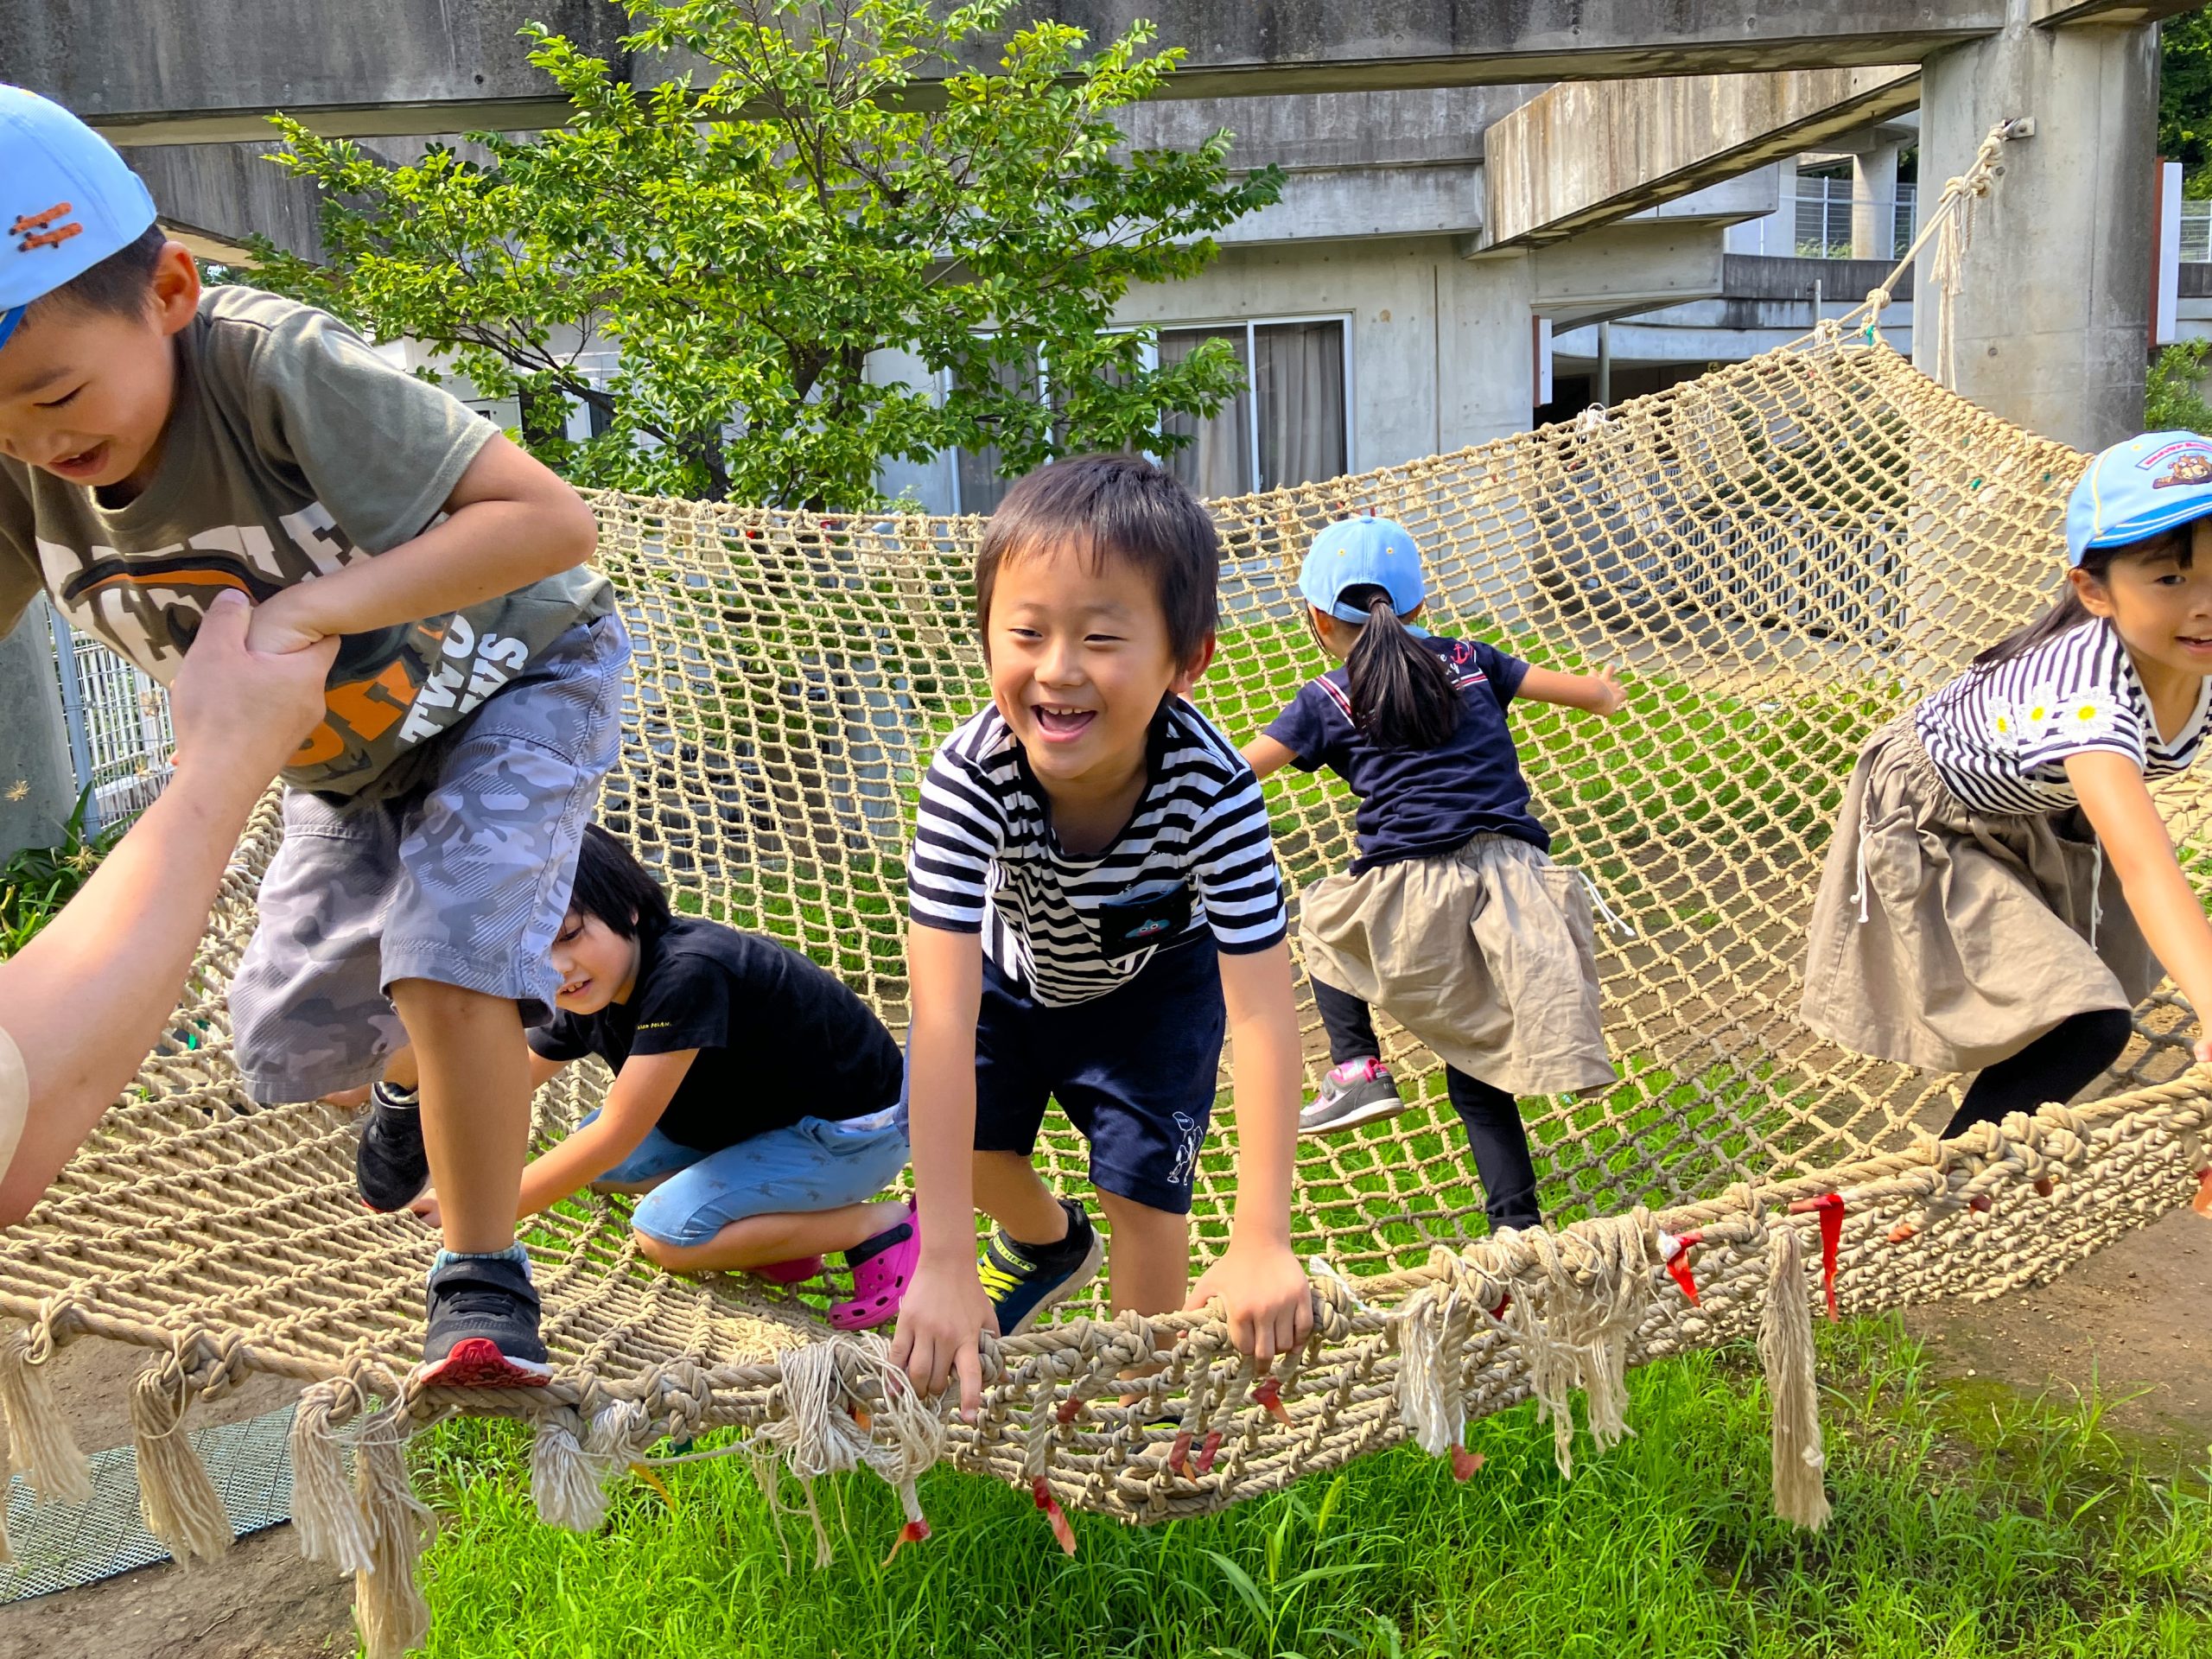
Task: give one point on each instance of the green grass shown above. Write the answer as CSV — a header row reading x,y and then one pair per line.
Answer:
x,y
1964,1526
35,883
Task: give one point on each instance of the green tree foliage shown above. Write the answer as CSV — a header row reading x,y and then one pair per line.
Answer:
x,y
2185,98
749,234
2173,398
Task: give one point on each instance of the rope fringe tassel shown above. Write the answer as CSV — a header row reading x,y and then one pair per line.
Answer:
x,y
1793,1393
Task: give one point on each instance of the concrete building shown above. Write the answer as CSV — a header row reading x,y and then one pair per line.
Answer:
x,y
1493,214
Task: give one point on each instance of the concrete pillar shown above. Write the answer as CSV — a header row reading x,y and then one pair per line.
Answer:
x,y
38,788
1874,203
1487,385
2052,322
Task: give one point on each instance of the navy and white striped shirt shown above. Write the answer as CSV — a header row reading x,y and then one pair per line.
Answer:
x,y
985,858
2000,737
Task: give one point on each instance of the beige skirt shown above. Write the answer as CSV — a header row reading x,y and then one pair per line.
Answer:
x,y
1949,939
1487,954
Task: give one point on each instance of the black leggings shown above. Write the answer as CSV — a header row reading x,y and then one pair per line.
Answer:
x,y
1494,1132
2057,1065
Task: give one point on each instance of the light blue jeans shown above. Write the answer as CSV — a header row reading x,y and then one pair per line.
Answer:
x,y
816,1163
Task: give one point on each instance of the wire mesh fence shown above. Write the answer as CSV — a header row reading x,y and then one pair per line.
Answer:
x,y
120,739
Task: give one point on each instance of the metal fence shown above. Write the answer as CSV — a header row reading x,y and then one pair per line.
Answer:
x,y
1825,207
120,739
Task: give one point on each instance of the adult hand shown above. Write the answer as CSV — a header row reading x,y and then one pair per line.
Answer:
x,y
1269,1302
240,707
941,1319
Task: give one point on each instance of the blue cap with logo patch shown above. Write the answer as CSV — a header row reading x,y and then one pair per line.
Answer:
x,y
2136,489
1368,552
66,201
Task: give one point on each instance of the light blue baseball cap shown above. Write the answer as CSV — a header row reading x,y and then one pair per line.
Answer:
x,y
66,201
2136,489
1365,551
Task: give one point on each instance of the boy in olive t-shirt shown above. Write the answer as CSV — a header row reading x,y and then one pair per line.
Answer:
x,y
159,445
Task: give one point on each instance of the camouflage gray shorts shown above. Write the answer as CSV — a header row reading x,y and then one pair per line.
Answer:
x,y
464,881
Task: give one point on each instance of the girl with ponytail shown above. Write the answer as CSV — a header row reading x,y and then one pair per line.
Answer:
x,y
2002,891
1452,917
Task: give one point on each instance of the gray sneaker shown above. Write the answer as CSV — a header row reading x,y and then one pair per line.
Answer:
x,y
1359,1091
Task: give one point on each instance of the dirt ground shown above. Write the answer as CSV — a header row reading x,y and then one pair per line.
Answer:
x,y
261,1601
2132,1318
2130,1323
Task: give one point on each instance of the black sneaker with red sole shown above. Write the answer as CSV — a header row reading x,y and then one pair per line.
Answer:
x,y
483,1327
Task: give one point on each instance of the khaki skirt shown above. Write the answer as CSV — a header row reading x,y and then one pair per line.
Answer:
x,y
1486,953
1949,939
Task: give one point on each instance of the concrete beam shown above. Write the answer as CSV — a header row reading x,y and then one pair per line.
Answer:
x,y
1291,46
2057,14
1367,201
1748,195
211,195
208,71
1331,130
1624,269
1581,155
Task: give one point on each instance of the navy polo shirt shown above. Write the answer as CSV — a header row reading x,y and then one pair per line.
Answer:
x,y
1416,803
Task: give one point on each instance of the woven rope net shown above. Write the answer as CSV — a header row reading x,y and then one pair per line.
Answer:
x,y
1781,556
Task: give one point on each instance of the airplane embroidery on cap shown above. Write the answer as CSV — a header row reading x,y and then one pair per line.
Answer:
x,y
32,227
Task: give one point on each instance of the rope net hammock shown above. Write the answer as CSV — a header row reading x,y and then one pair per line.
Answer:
x,y
1782,555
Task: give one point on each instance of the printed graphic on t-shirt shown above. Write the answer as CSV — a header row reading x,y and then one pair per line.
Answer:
x,y
148,607
292,451
2047,712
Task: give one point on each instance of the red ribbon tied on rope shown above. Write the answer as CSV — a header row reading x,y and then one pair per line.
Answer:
x,y
1829,1207
1678,1262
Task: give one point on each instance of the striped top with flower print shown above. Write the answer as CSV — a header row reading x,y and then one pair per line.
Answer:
x,y
2000,737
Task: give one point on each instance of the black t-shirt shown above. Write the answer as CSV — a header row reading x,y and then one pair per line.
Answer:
x,y
1416,803
778,1038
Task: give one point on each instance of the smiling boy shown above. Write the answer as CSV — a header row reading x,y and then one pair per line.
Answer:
x,y
161,444
1094,899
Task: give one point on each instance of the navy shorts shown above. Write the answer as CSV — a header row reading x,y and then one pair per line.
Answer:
x,y
1134,1070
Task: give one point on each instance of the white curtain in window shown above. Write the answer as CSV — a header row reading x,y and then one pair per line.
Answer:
x,y
1298,374
1219,461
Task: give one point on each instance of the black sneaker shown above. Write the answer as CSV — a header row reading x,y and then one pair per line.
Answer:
x,y
1359,1091
1023,1281
483,1327
389,1165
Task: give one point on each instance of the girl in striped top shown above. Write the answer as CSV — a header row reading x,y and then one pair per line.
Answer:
x,y
1967,920
1093,904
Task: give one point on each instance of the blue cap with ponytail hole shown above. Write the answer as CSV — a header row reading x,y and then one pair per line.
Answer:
x,y
1363,552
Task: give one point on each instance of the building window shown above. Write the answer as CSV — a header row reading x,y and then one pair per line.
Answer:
x,y
1291,424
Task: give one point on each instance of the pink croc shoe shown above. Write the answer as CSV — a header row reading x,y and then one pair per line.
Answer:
x,y
797,1271
882,1268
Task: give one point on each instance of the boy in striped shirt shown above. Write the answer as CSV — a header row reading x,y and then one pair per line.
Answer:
x,y
1094,901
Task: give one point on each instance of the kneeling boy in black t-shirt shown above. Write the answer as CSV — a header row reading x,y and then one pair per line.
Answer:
x,y
756,1102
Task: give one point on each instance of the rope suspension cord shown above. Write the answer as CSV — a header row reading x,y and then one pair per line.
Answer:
x,y
1952,223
